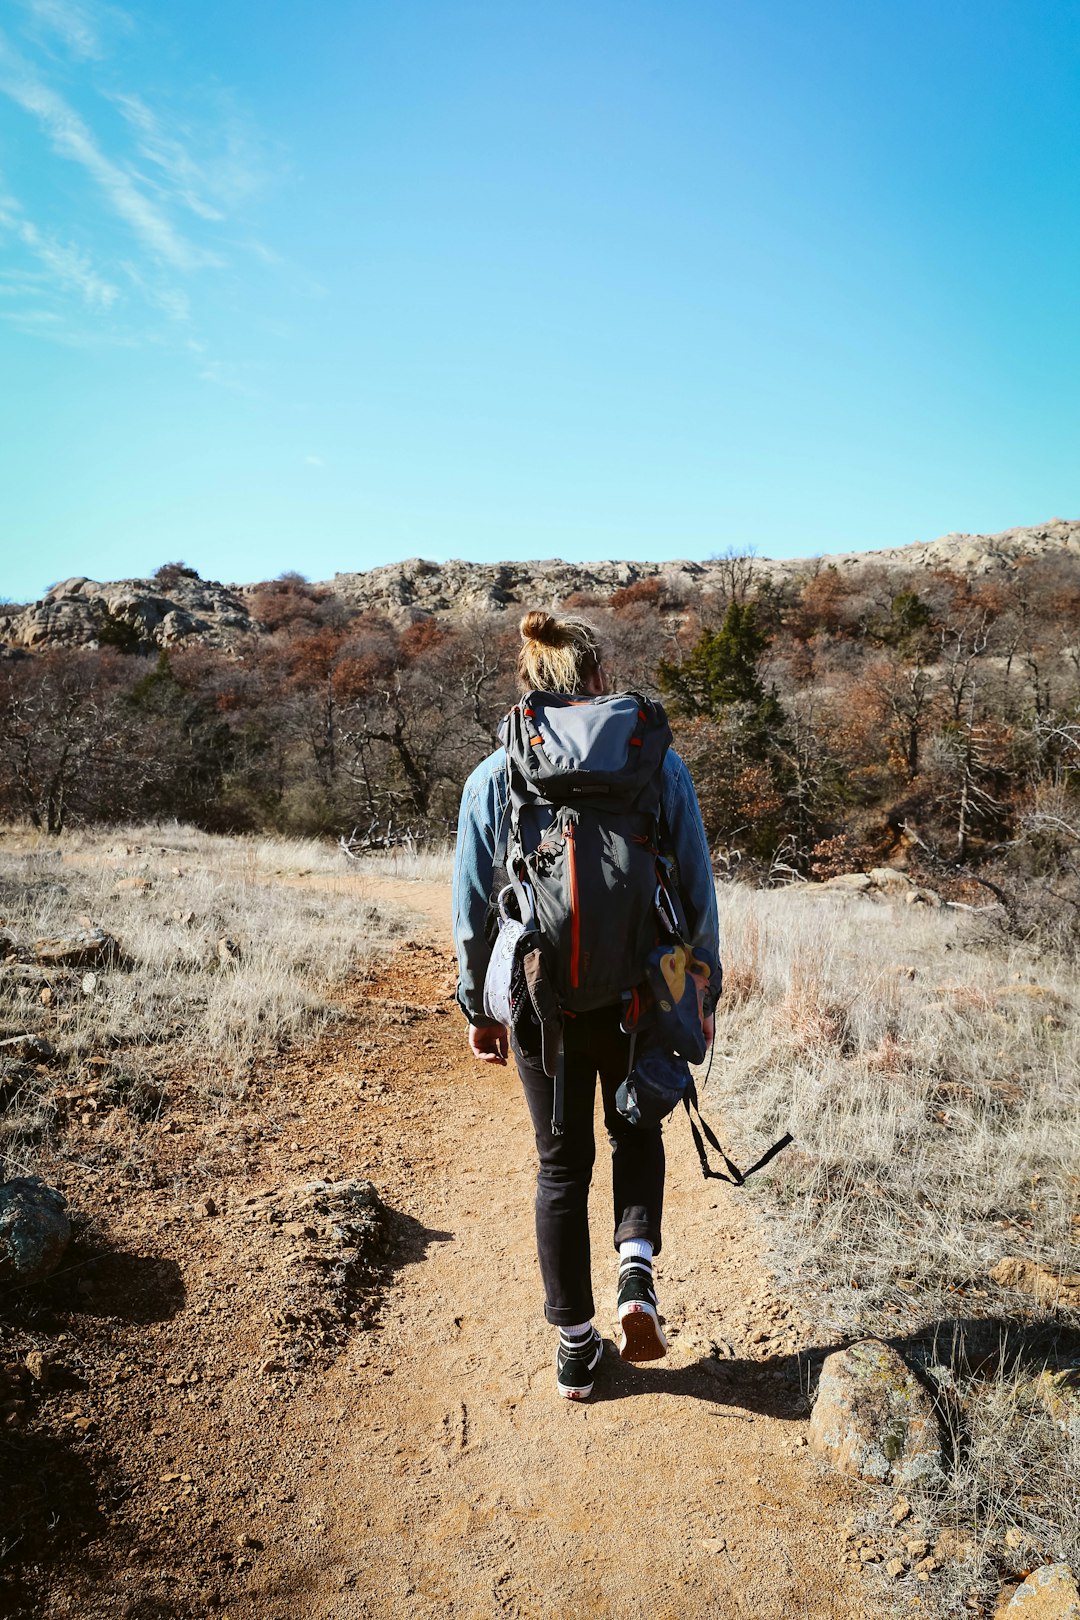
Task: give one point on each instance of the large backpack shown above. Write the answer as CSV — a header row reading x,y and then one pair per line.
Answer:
x,y
583,851
599,921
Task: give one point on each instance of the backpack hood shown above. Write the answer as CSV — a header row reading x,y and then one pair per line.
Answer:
x,y
594,733
571,748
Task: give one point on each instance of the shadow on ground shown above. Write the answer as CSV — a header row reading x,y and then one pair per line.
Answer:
x,y
56,1487
783,1386
408,1241
49,1509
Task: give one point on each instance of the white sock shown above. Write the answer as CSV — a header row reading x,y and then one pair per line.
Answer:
x,y
636,1249
579,1330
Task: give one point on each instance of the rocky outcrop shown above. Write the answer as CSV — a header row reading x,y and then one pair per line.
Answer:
x,y
140,614
417,586
428,587
1057,1390
320,1248
34,1230
873,1419
882,883
978,554
1049,1287
133,615
88,946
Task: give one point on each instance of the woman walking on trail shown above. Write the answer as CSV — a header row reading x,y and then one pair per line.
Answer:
x,y
562,656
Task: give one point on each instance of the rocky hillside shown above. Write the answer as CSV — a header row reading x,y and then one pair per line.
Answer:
x,y
137,614
426,587
130,614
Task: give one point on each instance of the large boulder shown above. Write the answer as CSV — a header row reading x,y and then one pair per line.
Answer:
x,y
881,883
856,882
34,1230
874,1419
1049,1593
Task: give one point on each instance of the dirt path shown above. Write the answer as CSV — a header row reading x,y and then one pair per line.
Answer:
x,y
458,1483
431,1470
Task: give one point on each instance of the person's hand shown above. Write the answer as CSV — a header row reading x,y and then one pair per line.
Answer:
x,y
488,1042
708,1025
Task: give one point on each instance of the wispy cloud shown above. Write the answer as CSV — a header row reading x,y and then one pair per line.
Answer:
x,y
25,305
66,265
72,138
79,26
173,177
32,319
169,156
161,295
207,182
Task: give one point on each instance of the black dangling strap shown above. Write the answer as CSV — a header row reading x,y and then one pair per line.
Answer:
x,y
777,1147
735,1176
559,1094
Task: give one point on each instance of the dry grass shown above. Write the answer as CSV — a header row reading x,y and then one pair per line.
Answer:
x,y
177,1000
931,1083
931,1079
1011,1497
430,863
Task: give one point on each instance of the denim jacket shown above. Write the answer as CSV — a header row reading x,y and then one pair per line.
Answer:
x,y
483,827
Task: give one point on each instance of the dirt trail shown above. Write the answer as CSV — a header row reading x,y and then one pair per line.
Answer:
x,y
432,1470
457,1481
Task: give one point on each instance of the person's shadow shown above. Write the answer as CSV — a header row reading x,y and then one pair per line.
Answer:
x,y
783,1386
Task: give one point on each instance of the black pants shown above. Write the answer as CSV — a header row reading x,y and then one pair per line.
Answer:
x,y
593,1043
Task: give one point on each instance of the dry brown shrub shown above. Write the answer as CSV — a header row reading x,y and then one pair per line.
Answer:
x,y
967,997
843,853
643,593
889,1057
743,978
808,1017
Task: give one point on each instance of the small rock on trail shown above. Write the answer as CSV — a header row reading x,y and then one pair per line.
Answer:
x,y
34,1230
872,1417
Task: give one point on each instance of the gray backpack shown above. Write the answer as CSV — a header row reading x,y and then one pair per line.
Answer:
x,y
586,875
583,853
593,897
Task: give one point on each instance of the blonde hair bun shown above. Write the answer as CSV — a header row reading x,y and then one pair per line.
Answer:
x,y
557,655
544,628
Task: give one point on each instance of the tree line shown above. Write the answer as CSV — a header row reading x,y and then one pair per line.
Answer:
x,y
831,722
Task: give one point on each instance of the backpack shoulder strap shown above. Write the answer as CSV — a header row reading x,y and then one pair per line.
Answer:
x,y
502,825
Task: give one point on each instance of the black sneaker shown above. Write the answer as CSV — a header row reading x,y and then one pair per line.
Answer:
x,y
576,1364
642,1336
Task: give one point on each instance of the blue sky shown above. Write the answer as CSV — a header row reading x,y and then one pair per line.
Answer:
x,y
320,287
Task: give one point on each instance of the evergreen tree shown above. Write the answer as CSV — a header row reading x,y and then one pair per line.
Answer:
x,y
722,670
734,732
908,625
